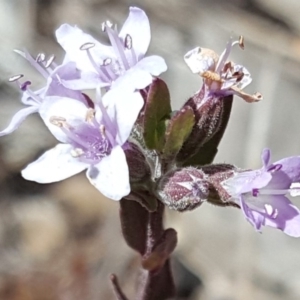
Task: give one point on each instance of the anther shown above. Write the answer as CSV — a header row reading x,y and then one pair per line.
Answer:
x,y
90,115
241,42
227,66
24,85
40,57
49,61
58,121
107,61
106,24
128,42
258,96
77,152
15,77
102,129
87,46
238,75
255,192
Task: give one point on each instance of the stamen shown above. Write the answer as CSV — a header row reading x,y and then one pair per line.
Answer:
x,y
77,152
33,61
102,129
24,85
241,42
107,61
107,70
118,48
87,46
239,75
34,96
49,61
227,67
40,57
58,121
224,56
90,115
258,96
15,77
128,42
255,192
105,24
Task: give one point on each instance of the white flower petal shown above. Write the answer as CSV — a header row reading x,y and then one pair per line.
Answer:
x,y
138,27
72,110
198,60
246,80
54,165
133,79
111,176
118,102
71,38
154,64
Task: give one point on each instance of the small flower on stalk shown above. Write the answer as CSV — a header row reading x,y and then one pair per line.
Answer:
x,y
261,194
91,139
120,65
184,189
33,99
221,77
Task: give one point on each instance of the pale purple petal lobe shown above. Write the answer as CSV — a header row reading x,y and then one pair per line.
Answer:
x,y
111,176
54,165
138,27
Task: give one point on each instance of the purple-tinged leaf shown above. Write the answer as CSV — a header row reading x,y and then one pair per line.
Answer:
x,y
178,130
157,286
157,110
134,224
161,251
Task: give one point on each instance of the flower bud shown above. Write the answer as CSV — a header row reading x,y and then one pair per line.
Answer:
x,y
184,189
216,174
211,116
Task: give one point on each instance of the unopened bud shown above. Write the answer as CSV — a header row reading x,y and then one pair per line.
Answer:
x,y
184,189
211,117
216,174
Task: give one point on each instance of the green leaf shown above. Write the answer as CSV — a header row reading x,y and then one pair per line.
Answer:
x,y
157,110
179,128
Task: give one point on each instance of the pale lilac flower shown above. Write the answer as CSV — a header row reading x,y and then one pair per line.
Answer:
x,y
221,77
123,64
261,194
91,139
53,75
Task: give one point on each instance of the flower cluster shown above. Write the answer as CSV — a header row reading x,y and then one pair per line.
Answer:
x,y
92,133
130,142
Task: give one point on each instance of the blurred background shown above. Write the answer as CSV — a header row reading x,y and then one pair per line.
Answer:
x,y
61,241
